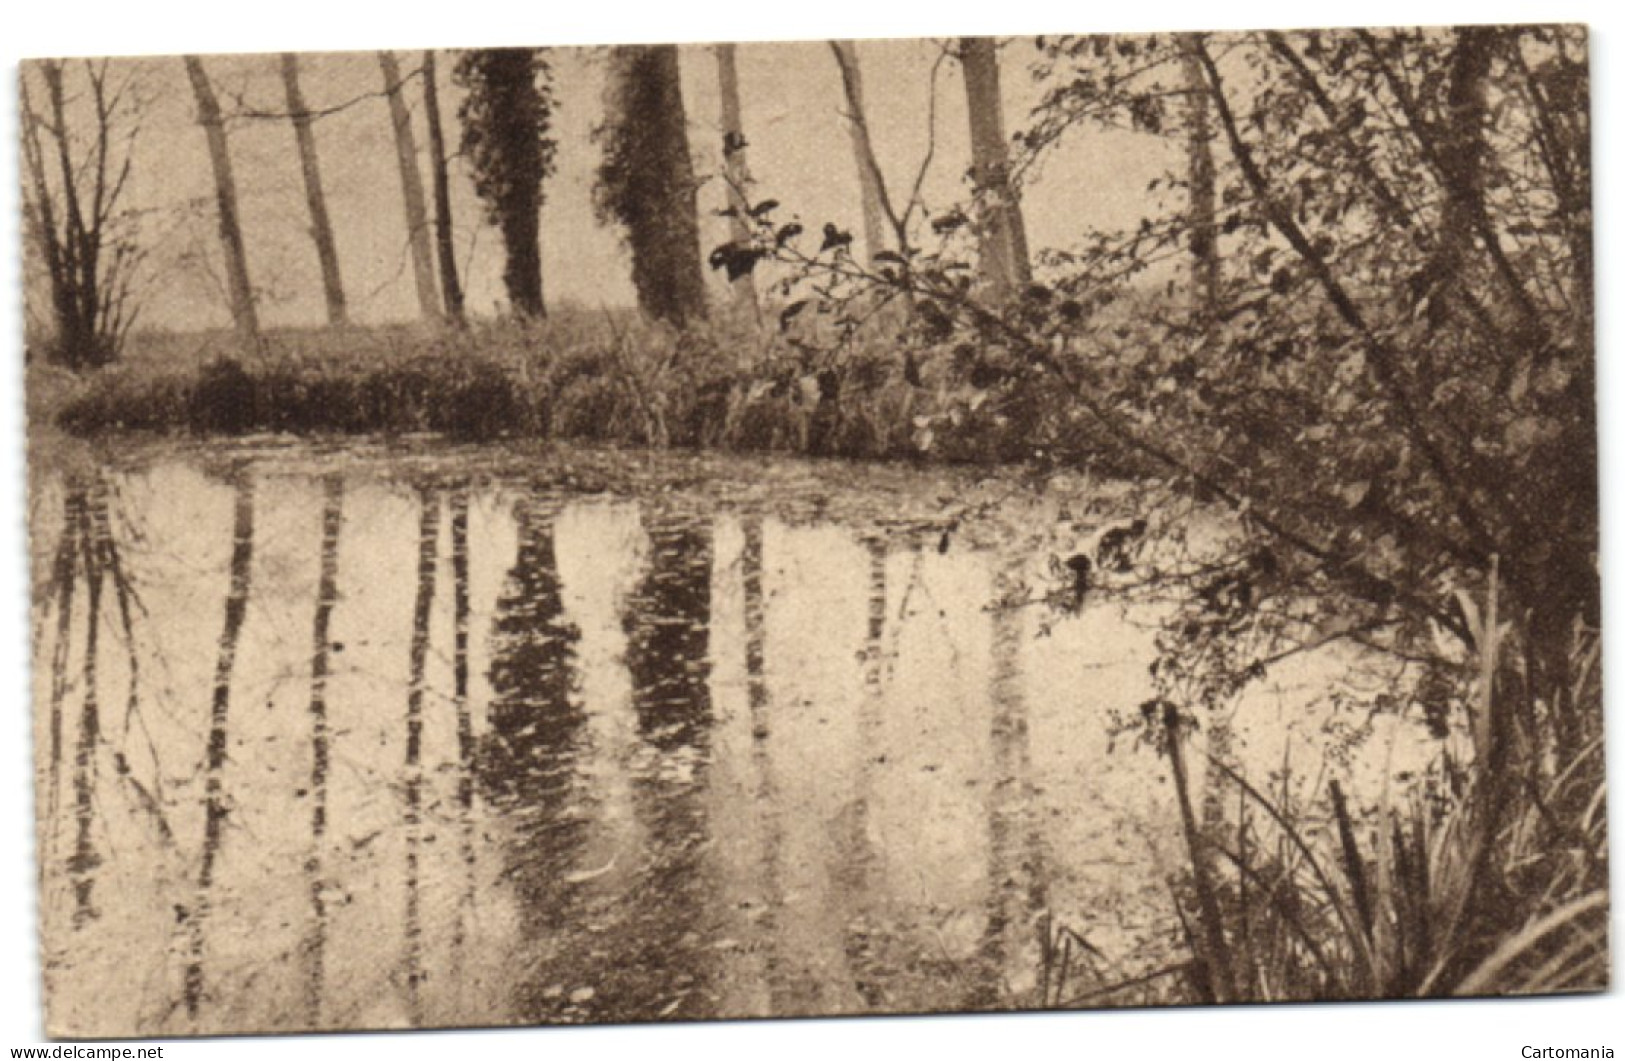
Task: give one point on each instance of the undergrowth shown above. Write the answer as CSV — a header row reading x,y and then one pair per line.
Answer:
x,y
608,377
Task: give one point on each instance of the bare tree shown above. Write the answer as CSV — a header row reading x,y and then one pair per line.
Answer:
x,y
406,151
1005,264
445,249
735,168
646,181
880,211
75,219
321,227
243,315
871,185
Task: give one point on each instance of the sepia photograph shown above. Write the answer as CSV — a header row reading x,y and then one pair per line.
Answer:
x,y
545,533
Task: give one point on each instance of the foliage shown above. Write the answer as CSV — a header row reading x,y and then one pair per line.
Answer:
x,y
1395,391
646,181
1391,392
506,116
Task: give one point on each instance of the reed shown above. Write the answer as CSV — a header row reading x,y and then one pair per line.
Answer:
x,y
1501,890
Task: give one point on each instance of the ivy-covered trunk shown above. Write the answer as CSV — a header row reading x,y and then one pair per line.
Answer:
x,y
646,181
506,117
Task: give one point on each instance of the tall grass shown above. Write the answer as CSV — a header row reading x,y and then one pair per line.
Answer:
x,y
1501,890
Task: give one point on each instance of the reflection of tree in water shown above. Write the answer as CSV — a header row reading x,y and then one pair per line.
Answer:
x,y
856,875
1015,875
669,635
84,861
465,719
315,946
215,799
528,762
667,622
417,685
88,552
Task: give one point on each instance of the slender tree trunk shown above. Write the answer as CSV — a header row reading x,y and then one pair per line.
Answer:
x,y
1203,202
450,288
321,227
41,215
243,314
1005,265
63,252
657,201
417,224
871,188
81,247
735,168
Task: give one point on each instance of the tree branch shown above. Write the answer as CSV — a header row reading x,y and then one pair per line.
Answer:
x,y
1379,356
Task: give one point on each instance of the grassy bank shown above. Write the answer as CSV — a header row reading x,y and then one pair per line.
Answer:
x,y
578,375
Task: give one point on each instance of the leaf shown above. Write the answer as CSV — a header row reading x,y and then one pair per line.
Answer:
x,y
789,313
786,233
834,238
737,257
889,256
766,206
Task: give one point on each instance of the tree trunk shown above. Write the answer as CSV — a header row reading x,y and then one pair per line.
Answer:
x,y
1461,150
506,116
57,248
871,186
735,168
1005,266
417,224
1204,236
321,228
243,315
451,290
652,178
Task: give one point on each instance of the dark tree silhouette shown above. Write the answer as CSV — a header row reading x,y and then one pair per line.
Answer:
x,y
646,181
506,117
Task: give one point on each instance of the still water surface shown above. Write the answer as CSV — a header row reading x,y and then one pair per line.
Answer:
x,y
367,737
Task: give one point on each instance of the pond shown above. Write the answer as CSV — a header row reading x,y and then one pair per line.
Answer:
x,y
405,735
